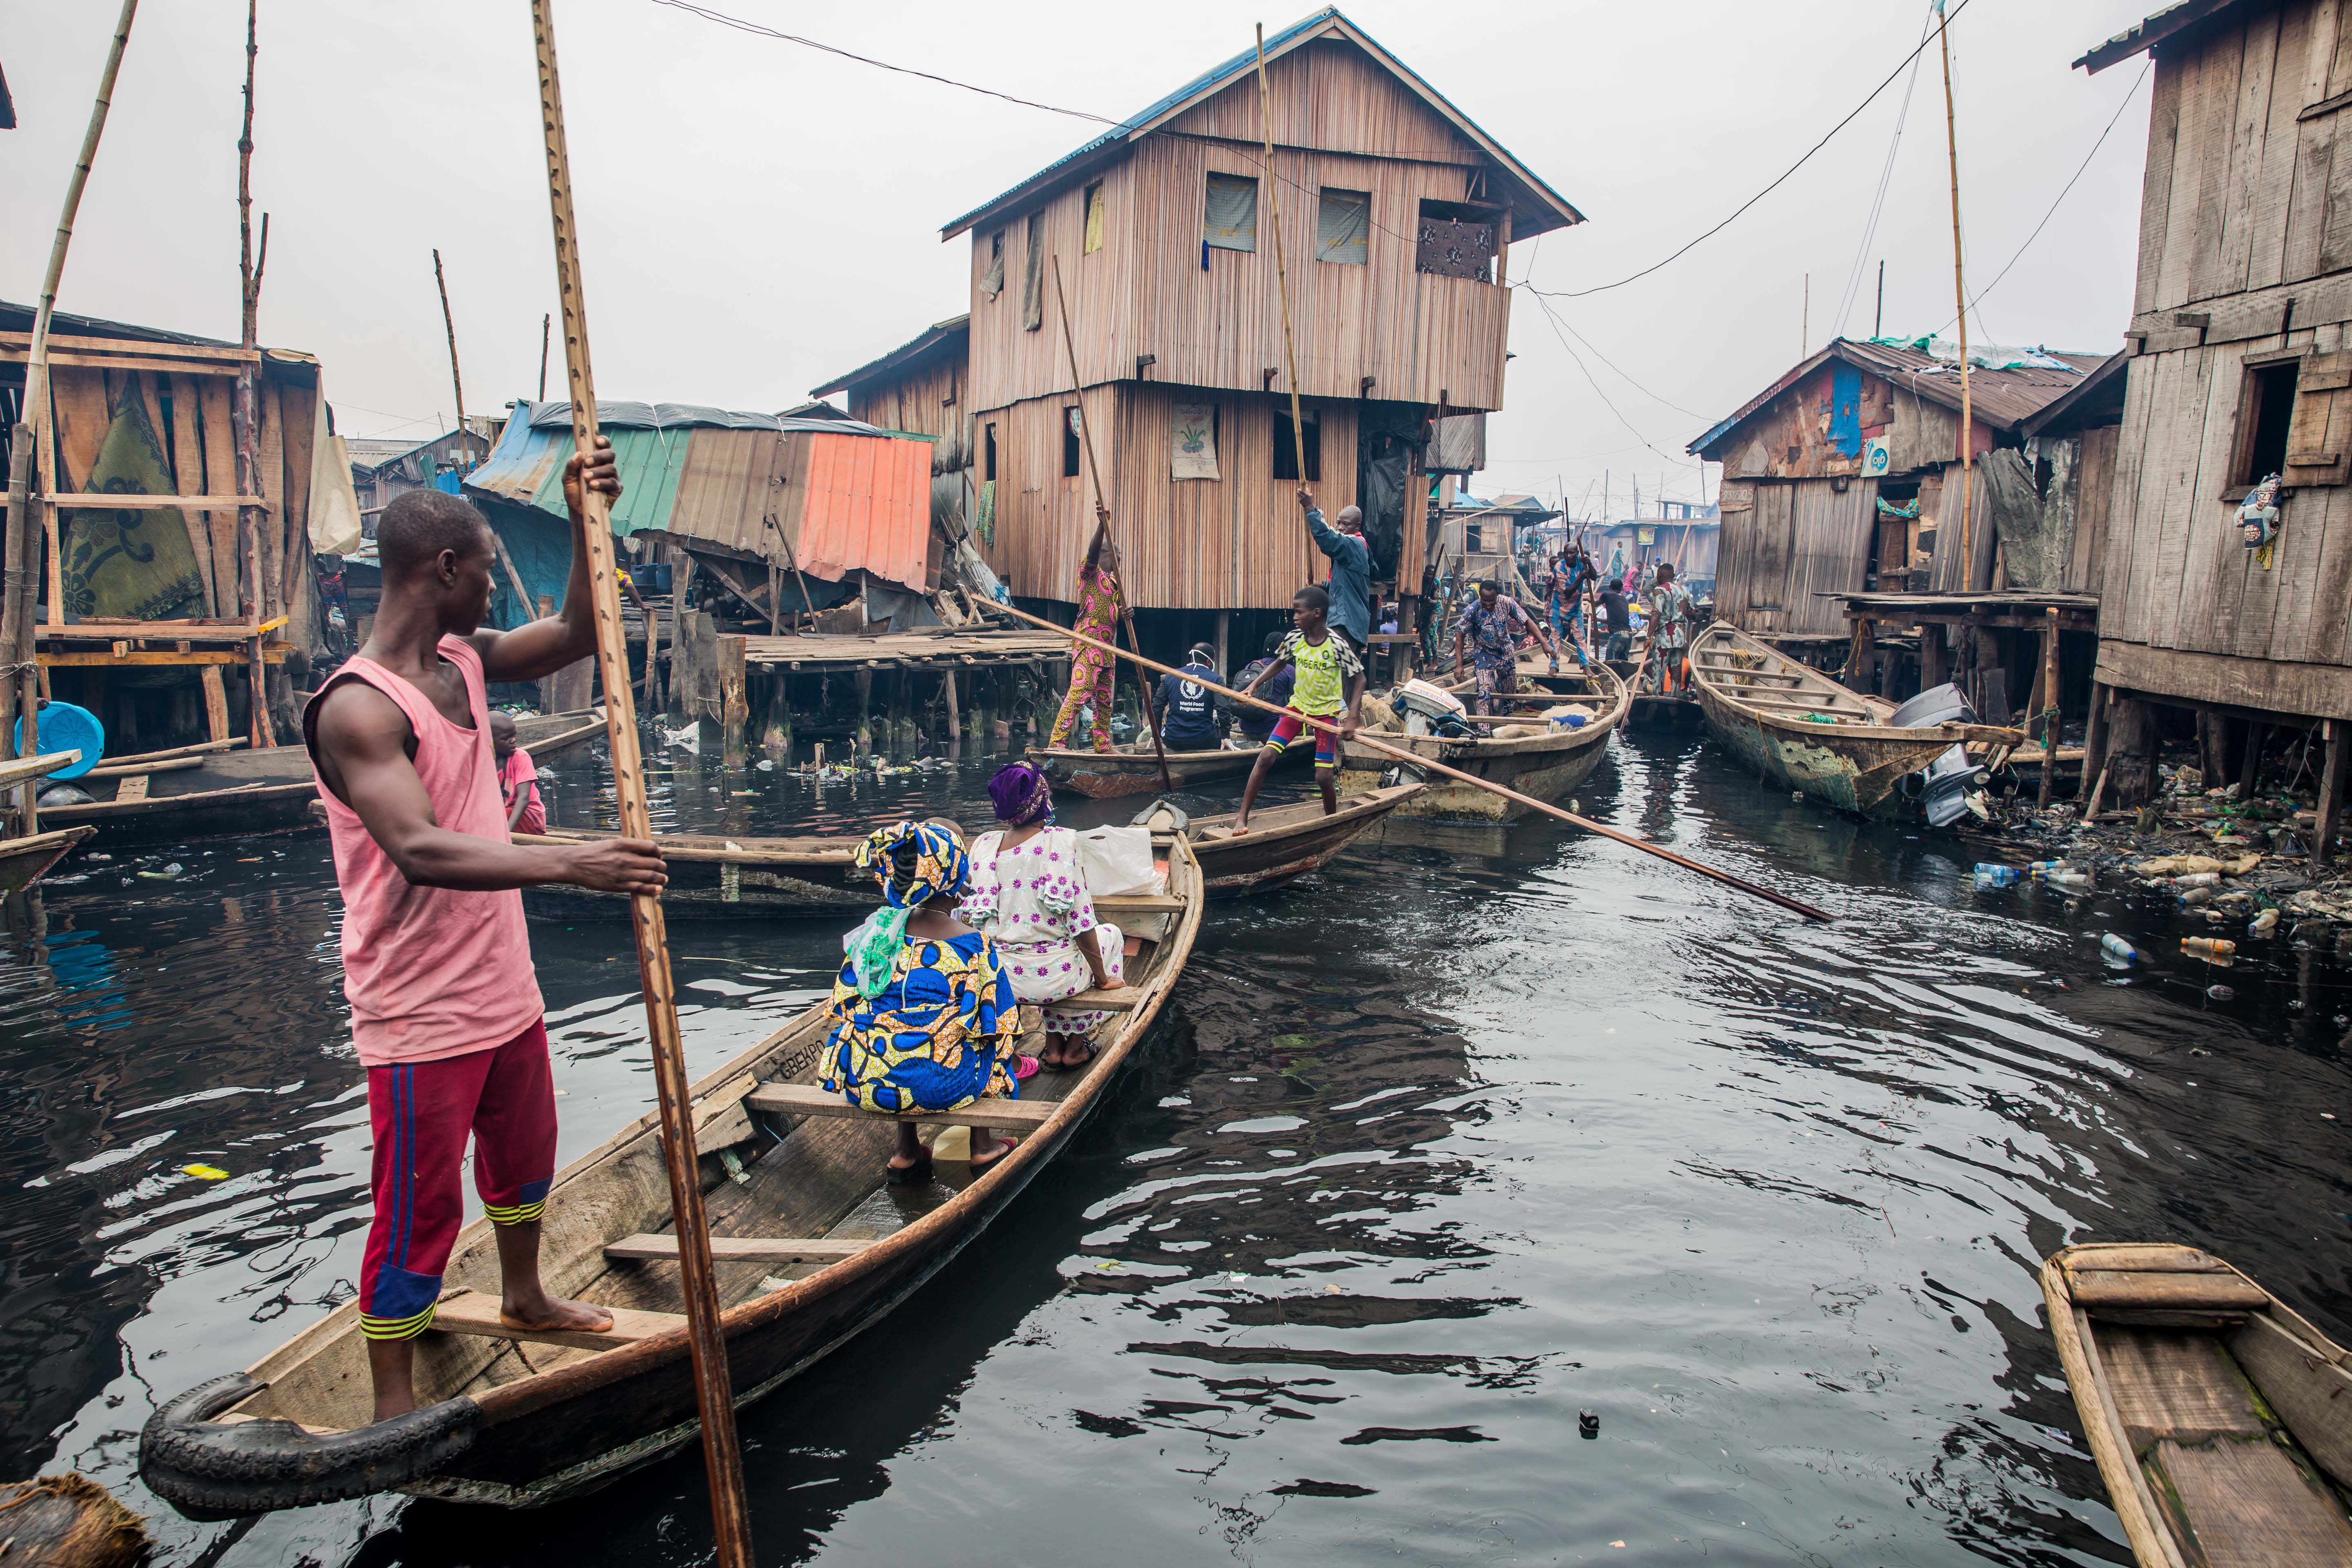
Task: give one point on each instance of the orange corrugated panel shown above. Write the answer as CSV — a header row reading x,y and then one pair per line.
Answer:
x,y
868,506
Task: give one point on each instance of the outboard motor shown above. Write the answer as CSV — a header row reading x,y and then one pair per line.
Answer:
x,y
1942,787
1429,708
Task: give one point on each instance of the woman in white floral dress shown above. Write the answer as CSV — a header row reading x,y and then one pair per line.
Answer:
x,y
1028,892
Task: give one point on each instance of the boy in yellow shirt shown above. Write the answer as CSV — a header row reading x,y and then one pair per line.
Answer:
x,y
1329,684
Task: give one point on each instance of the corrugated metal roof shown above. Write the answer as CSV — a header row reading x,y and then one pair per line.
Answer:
x,y
939,335
868,504
2163,24
1329,20
2000,398
614,414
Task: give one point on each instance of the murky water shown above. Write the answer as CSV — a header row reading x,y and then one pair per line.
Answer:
x,y
1466,1135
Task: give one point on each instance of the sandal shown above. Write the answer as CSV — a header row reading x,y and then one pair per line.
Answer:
x,y
914,1175
1025,1067
1004,1146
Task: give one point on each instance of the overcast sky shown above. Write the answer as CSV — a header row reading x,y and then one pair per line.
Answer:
x,y
758,217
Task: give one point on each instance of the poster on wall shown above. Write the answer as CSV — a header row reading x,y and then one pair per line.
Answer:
x,y
1875,463
1193,451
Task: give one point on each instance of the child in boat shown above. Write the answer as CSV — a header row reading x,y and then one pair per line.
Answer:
x,y
924,1019
518,778
1329,683
1029,892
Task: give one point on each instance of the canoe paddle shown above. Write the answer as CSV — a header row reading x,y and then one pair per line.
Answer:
x,y
1401,754
713,1396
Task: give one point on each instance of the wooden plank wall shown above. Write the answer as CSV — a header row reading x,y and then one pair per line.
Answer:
x,y
929,400
1146,291
1786,543
1235,542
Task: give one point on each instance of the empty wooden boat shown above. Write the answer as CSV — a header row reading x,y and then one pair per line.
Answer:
x,y
2217,1413
1106,774
1286,842
812,1246
1545,764
208,790
1803,731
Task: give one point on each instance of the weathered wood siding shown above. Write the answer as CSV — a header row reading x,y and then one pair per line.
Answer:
x,y
1234,542
1785,545
1339,122
928,401
1788,437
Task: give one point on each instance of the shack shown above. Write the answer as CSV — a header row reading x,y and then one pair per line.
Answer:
x,y
2241,368
382,469
1397,216
140,616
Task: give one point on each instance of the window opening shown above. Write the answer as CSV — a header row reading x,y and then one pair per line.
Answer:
x,y
2270,412
1070,442
1285,453
1231,216
987,459
1032,275
1094,218
1344,226
992,282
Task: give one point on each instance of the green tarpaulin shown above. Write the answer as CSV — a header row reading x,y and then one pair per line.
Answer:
x,y
131,561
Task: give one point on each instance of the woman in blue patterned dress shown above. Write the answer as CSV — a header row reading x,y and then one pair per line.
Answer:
x,y
924,1016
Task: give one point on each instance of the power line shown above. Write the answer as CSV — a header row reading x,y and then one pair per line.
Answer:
x,y
1886,179
1736,212
1555,326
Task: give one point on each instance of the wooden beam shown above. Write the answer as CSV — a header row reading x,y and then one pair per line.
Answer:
x,y
654,1249
215,705
271,653
152,347
476,1312
95,630
125,770
2052,712
2332,782
16,770
807,1100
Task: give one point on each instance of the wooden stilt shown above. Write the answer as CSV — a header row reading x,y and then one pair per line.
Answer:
x,y
2052,711
714,1399
2094,735
2332,782
2250,772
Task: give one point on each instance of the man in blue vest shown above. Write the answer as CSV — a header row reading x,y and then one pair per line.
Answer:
x,y
1352,568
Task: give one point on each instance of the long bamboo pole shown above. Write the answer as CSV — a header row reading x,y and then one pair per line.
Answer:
x,y
1102,520
456,382
1961,297
20,686
1281,273
244,407
714,1398
1402,755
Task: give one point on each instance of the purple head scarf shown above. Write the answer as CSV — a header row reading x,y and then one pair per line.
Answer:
x,y
1020,794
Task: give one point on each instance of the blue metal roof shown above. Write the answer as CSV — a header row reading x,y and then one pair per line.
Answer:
x,y
1221,76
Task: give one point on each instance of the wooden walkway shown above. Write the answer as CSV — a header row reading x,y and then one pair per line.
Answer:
x,y
934,649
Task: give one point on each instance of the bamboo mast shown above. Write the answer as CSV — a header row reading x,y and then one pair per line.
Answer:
x,y
544,323
1281,273
1960,298
714,1398
1102,520
245,409
1416,760
456,382
20,684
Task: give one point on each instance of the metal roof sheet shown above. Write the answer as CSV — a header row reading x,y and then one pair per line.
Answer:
x,y
2163,24
938,334
619,415
2000,398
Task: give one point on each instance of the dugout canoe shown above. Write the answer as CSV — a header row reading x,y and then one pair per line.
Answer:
x,y
1108,775
811,1248
1805,732
25,861
203,792
1544,766
1286,842
2215,1413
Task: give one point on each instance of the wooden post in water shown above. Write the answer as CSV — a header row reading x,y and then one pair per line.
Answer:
x,y
713,1395
2052,708
1960,295
20,686
245,408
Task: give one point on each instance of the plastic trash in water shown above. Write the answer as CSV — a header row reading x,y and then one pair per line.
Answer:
x,y
2192,897
2116,947
2040,869
1990,875
169,873
2207,947
2197,880
2219,992
205,1172
2072,879
2263,924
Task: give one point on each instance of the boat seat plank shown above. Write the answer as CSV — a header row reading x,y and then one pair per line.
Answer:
x,y
2181,1386
2094,1288
807,1100
2251,1506
2309,1392
2158,1257
652,1248
1138,904
476,1312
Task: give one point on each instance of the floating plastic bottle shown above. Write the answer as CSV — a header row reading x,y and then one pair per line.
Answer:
x,y
2191,896
2263,924
2207,947
2115,946
2071,878
1989,875
2039,868
2197,880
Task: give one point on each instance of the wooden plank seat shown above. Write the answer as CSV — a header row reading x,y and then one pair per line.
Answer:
x,y
660,1248
1137,904
807,1100
476,1312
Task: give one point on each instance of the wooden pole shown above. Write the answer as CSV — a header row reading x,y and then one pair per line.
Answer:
x,y
456,382
714,1398
1281,275
1102,520
1960,295
1402,755
245,409
2051,710
544,323
20,689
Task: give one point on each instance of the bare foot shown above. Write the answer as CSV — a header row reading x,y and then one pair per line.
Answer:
x,y
555,1312
1240,827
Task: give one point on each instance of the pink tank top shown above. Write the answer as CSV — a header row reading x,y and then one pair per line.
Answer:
x,y
431,971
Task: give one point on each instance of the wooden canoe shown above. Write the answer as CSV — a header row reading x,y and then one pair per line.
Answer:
x,y
25,861
1544,766
1286,842
813,1246
2220,1419
1805,732
234,793
1106,774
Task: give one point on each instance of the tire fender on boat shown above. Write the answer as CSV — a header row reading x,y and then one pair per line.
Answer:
x,y
209,1469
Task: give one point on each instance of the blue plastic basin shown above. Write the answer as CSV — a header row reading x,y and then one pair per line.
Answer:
x,y
62,727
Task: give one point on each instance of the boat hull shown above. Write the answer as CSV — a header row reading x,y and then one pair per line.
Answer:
x,y
1283,846
1545,767
1105,775
1860,776
24,861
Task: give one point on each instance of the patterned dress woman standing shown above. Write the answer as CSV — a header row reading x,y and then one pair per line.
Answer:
x,y
1090,671
1028,892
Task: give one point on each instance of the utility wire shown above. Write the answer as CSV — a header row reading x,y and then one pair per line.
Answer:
x,y
1886,180
1736,212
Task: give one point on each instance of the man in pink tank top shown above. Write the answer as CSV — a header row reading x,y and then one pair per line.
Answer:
x,y
437,962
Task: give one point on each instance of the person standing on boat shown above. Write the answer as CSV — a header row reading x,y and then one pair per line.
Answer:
x,y
518,777
1330,685
1090,669
1491,627
1255,723
924,1019
445,1010
1188,708
1617,612
1029,892
1670,629
1351,587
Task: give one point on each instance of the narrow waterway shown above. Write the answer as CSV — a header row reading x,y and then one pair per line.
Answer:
x,y
1468,1134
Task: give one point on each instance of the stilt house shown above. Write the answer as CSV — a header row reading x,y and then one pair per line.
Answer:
x,y
2241,368
1397,216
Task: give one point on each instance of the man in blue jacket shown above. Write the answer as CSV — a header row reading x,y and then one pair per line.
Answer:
x,y
1352,568
1188,708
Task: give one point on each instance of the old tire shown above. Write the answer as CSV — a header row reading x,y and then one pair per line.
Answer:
x,y
210,1471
